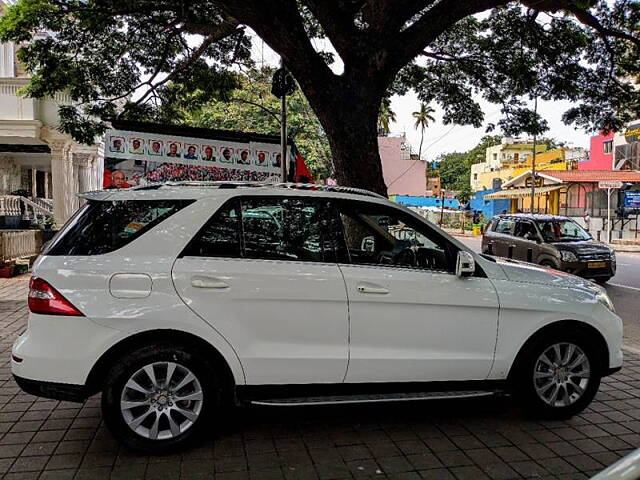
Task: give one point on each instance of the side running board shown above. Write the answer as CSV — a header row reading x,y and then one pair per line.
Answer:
x,y
374,398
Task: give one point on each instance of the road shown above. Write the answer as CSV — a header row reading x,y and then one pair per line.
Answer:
x,y
624,290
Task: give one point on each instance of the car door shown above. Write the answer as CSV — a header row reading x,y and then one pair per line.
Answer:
x,y
411,318
262,273
502,236
525,241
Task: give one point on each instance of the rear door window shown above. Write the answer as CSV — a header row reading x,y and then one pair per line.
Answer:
x,y
272,228
526,229
102,226
505,226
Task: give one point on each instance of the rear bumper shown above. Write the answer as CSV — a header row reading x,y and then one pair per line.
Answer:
x,y
56,391
60,350
611,371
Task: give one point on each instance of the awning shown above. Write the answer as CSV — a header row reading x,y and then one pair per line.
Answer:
x,y
522,192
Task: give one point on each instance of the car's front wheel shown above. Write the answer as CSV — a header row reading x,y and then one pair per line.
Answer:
x,y
159,398
559,375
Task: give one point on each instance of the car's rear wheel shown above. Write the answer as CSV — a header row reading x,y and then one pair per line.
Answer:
x,y
160,398
558,375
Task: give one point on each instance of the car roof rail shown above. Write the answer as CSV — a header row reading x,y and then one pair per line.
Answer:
x,y
239,184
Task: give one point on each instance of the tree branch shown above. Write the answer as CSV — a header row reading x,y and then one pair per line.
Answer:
x,y
587,18
206,43
338,24
255,104
435,21
279,24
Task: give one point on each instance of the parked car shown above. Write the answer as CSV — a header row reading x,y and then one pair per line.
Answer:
x,y
177,300
551,241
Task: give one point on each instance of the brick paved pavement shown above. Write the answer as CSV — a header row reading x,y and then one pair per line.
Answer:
x,y
433,440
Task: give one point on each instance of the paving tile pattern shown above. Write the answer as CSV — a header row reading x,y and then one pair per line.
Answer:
x,y
489,439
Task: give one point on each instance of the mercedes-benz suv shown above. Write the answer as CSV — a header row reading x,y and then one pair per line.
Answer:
x,y
175,300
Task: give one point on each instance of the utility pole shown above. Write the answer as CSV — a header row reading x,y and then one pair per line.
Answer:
x,y
283,135
281,86
533,159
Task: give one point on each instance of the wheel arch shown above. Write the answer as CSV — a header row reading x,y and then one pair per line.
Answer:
x,y
98,373
563,325
546,257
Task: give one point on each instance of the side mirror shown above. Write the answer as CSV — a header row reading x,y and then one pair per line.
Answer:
x,y
465,264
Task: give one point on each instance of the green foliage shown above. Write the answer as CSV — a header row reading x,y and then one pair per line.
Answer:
x,y
252,108
385,115
455,168
137,64
514,55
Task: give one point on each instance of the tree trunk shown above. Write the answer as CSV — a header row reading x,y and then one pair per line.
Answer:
x,y
351,127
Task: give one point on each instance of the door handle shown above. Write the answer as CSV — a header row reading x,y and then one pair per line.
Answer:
x,y
208,282
372,289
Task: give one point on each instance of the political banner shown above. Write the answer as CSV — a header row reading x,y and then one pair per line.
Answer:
x,y
137,158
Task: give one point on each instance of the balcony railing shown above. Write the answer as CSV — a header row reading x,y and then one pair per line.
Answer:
x,y
36,209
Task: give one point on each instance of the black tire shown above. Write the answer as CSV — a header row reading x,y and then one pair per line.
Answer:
x,y
190,360
549,264
602,280
524,385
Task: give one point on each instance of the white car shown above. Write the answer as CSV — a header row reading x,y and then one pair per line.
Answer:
x,y
174,300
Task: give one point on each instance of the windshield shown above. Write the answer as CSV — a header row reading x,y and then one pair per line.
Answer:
x,y
562,231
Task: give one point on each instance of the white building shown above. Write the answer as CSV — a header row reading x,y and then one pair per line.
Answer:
x,y
34,155
626,148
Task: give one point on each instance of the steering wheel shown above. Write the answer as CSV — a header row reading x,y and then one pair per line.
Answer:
x,y
406,256
385,257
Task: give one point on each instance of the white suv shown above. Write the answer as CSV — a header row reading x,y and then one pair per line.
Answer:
x,y
174,300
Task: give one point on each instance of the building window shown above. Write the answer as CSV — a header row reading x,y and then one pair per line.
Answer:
x,y
475,176
495,156
607,146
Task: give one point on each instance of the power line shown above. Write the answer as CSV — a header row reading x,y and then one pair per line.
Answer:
x,y
431,145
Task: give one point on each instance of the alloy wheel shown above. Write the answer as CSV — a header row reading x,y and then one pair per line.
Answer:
x,y
161,400
561,374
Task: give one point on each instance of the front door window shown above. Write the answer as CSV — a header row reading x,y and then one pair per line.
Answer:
x,y
379,235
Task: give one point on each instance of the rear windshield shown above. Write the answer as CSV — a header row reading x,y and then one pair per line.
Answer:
x,y
102,227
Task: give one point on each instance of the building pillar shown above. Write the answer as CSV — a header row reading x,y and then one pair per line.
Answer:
x,y
46,184
82,164
62,180
34,183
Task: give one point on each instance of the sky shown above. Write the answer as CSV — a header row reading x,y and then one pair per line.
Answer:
x,y
440,138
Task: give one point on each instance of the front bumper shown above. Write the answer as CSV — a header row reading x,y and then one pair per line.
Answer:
x,y
605,268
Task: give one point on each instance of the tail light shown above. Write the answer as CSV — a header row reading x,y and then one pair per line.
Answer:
x,y
45,299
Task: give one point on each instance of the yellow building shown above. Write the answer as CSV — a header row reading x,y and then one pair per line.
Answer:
x,y
545,161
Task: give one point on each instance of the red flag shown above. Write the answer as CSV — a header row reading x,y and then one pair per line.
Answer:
x,y
303,175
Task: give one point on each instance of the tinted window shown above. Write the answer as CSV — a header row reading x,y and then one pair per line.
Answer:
x,y
526,230
505,226
220,237
102,227
272,228
379,235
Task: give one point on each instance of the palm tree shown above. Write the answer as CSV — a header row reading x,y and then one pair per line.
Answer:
x,y
385,115
423,117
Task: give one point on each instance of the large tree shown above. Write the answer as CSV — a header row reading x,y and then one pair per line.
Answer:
x,y
169,52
